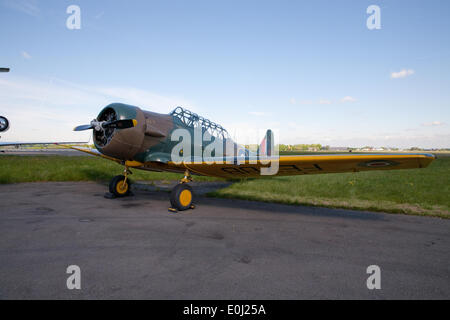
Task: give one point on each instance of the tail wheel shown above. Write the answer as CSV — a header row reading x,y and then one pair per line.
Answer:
x,y
119,186
181,197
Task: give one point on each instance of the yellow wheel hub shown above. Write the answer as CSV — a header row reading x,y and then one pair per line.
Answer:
x,y
122,187
185,197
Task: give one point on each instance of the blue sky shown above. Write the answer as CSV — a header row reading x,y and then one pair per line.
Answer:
x,y
310,70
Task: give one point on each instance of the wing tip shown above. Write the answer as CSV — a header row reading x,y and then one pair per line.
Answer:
x,y
426,159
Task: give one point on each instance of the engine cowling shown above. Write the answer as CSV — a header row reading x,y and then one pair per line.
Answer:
x,y
120,143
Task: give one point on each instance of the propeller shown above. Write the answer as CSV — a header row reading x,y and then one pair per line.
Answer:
x,y
105,125
101,125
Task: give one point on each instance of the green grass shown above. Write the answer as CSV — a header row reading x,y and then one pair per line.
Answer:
x,y
14,169
418,191
415,191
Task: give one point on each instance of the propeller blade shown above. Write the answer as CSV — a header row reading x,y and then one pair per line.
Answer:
x,y
83,127
121,124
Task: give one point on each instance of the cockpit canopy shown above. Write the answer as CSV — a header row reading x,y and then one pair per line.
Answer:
x,y
192,119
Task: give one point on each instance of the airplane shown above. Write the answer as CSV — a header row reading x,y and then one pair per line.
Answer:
x,y
139,139
4,124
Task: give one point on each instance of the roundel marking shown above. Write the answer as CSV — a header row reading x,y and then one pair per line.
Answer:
x,y
378,163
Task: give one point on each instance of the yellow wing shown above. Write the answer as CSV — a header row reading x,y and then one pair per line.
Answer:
x,y
308,164
240,167
93,152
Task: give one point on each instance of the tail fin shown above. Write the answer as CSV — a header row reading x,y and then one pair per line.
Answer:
x,y
266,146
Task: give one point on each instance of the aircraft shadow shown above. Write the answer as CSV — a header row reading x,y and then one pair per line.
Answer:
x,y
203,199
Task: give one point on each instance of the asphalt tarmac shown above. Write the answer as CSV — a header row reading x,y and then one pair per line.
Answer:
x,y
224,249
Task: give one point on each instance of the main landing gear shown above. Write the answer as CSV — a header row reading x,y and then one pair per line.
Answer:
x,y
120,185
181,195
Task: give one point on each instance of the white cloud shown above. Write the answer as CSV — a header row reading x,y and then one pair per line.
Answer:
x,y
48,109
26,55
41,110
293,101
258,113
303,102
345,139
289,130
433,124
28,7
402,74
143,98
324,101
348,99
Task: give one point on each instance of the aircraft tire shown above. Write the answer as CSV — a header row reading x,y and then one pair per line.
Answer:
x,y
181,197
117,188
